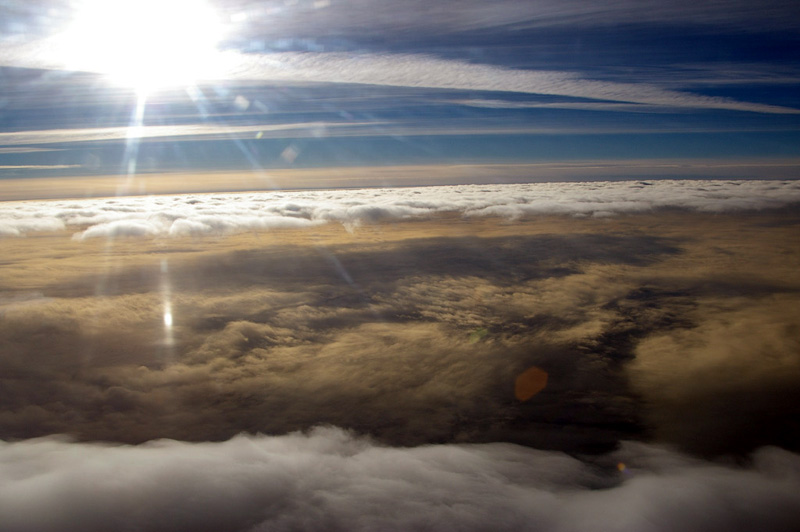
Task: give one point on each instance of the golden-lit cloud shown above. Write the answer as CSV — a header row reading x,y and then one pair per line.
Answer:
x,y
720,378
442,329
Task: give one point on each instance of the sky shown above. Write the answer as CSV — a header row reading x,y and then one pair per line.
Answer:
x,y
399,265
613,88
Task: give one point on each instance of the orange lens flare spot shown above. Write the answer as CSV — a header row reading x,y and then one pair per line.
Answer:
x,y
530,382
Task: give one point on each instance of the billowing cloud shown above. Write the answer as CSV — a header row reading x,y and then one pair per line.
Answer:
x,y
328,480
228,213
19,225
396,340
411,331
188,226
717,374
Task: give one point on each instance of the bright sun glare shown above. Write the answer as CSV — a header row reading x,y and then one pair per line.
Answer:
x,y
145,44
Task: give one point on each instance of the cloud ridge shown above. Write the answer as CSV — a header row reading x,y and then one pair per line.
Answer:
x,y
328,480
226,213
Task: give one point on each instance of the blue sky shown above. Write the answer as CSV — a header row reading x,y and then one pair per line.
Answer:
x,y
378,83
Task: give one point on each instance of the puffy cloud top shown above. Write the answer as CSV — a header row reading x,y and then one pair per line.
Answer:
x,y
200,214
327,480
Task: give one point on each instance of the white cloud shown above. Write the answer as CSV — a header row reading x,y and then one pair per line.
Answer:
x,y
19,225
328,480
410,70
235,223
27,149
581,106
193,131
38,166
122,228
198,214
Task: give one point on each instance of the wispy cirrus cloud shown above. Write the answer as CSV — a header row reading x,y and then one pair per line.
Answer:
x,y
255,19
193,131
684,75
422,71
578,106
26,149
38,166
415,71
360,16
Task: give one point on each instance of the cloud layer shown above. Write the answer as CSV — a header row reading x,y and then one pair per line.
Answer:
x,y
434,73
401,70
451,337
201,214
311,18
413,332
328,480
194,131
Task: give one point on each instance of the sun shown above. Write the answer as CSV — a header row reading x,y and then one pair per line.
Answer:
x,y
145,44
